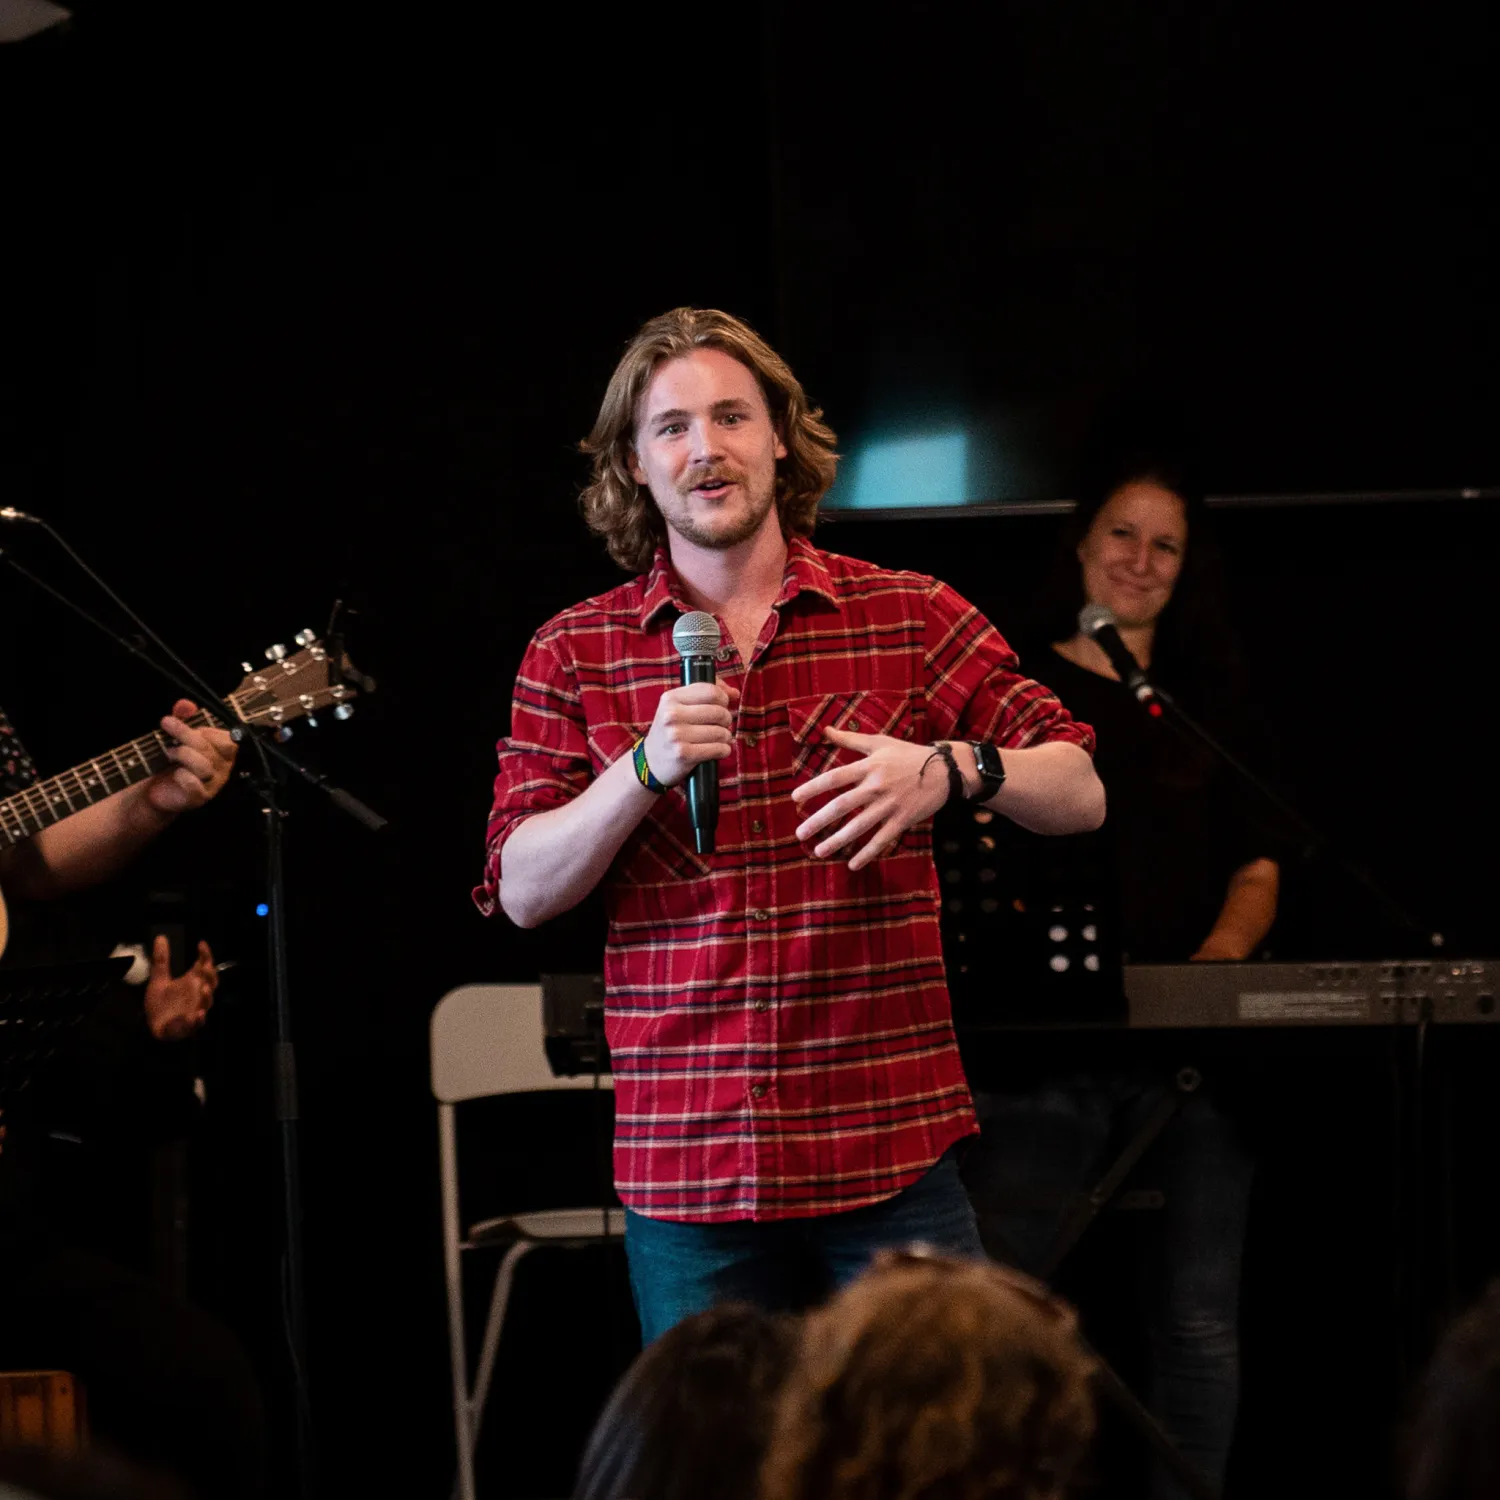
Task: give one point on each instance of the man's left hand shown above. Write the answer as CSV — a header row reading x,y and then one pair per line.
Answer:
x,y
203,760
883,795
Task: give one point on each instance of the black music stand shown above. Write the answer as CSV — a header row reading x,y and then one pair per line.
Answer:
x,y
1030,924
39,1007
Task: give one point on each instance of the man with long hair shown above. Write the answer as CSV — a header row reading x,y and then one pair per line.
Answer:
x,y
787,1083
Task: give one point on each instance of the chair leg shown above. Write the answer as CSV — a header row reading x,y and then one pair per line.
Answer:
x,y
463,1422
490,1349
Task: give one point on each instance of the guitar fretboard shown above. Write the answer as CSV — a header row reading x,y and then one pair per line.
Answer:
x,y
46,802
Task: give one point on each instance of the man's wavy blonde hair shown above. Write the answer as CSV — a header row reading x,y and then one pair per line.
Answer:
x,y
622,511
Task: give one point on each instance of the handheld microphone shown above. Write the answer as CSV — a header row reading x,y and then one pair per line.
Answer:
x,y
696,637
1097,622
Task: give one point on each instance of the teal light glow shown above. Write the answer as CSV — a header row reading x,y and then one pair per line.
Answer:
x,y
927,469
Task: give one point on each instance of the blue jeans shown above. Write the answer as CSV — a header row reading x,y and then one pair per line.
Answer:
x,y
680,1269
1060,1138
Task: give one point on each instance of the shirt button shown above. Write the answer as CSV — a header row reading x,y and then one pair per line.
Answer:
x,y
851,723
750,740
757,1091
760,914
723,653
762,1005
756,826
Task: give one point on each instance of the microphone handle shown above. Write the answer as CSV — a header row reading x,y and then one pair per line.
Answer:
x,y
1132,674
703,782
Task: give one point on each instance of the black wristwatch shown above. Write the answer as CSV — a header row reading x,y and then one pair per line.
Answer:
x,y
991,771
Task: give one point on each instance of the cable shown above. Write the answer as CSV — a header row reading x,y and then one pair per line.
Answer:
x,y
191,676
186,686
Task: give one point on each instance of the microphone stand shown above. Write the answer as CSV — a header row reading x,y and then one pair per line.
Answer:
x,y
1410,1174
1411,1269
268,777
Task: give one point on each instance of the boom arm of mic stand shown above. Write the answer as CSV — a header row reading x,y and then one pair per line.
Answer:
x,y
345,801
1317,841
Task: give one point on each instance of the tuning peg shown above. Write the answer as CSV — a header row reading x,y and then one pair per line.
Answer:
x,y
344,711
246,667
275,653
283,734
311,721
305,637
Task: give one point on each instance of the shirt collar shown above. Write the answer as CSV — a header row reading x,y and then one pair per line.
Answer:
x,y
806,573
661,589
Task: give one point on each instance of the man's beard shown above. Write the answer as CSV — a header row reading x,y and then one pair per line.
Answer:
x,y
721,538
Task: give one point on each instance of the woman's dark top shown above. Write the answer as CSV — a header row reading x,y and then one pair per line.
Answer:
x,y
1176,830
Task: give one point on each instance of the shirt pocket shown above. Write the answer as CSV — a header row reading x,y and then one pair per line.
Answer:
x,y
902,715
661,848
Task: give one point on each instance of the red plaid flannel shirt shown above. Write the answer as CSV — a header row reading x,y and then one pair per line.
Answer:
x,y
780,1028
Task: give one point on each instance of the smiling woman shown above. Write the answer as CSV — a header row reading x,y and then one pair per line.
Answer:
x,y
1187,872
1142,542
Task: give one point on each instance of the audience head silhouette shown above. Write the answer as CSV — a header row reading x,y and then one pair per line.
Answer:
x,y
691,1418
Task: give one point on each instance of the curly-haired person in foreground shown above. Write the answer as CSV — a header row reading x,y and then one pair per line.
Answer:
x,y
787,1082
939,1378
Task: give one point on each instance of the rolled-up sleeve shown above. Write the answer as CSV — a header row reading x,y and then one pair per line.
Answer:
x,y
544,760
975,690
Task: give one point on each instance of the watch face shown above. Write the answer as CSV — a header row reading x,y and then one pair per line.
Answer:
x,y
987,760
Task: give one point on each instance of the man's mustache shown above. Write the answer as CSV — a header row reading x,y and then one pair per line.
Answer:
x,y
694,477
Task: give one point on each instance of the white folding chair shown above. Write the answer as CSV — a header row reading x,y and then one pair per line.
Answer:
x,y
487,1041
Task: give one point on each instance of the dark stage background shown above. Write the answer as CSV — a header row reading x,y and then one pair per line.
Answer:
x,y
299,306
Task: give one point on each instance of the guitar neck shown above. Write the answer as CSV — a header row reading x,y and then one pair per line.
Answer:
x,y
46,802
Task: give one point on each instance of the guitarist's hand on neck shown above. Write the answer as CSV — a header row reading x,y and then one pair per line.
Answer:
x,y
89,845
203,760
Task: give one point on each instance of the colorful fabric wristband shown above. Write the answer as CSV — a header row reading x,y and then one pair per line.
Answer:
x,y
642,770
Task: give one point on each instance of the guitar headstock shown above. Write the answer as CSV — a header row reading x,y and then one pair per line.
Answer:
x,y
297,685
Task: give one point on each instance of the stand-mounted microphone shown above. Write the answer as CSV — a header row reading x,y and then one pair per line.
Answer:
x,y
1097,622
696,637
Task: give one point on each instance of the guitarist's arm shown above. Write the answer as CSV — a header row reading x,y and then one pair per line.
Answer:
x,y
92,844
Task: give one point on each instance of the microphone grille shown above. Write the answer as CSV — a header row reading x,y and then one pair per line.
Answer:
x,y
1092,618
696,634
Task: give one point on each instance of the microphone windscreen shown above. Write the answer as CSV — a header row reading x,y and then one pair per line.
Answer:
x,y
1092,618
696,634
